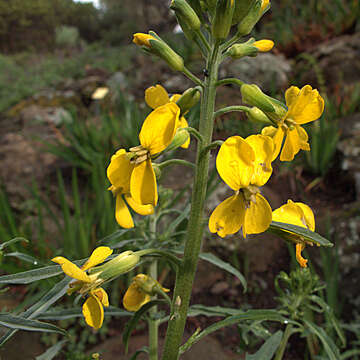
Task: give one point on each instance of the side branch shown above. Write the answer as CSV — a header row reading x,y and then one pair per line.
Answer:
x,y
230,81
230,109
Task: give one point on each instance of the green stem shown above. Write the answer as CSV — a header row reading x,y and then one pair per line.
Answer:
x,y
230,109
230,81
152,322
203,40
192,77
187,270
284,341
166,163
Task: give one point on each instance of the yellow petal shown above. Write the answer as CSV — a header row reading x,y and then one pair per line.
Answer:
x,y
138,208
122,213
290,95
291,145
290,213
143,186
102,295
303,138
98,256
299,258
184,124
257,216
142,39
156,96
307,106
263,147
308,214
134,298
277,134
228,216
235,162
71,269
159,128
263,45
93,312
175,98
119,171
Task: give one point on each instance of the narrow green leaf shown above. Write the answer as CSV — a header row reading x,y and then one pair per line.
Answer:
x,y
350,354
268,349
50,353
20,323
131,324
12,241
198,309
144,349
263,315
225,266
282,230
329,346
24,257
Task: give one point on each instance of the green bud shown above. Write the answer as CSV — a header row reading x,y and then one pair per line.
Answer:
x,y
188,99
148,285
256,115
252,95
179,139
186,14
242,8
238,51
189,34
164,51
121,264
196,5
252,17
223,19
279,107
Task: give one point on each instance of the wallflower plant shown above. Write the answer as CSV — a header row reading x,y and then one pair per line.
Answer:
x,y
217,27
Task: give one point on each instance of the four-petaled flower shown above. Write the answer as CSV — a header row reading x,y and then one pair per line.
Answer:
x,y
93,308
299,214
140,291
304,106
244,165
156,96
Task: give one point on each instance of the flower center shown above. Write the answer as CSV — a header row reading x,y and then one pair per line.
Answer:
x,y
139,154
250,194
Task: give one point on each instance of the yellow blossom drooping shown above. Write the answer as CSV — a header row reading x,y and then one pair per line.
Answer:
x,y
156,96
93,308
304,106
264,45
119,172
244,164
299,214
140,291
132,174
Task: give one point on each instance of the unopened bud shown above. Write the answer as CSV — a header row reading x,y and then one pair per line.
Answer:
x,y
148,285
223,19
279,110
180,138
252,17
252,95
242,8
257,116
185,13
264,45
238,51
188,99
121,264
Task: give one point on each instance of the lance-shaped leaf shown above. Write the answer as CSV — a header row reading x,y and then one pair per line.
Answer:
x,y
267,350
295,233
21,323
50,353
12,241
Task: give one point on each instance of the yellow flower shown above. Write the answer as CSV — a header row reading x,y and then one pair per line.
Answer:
x,y
244,164
142,39
132,174
140,291
304,106
296,214
93,308
119,172
156,96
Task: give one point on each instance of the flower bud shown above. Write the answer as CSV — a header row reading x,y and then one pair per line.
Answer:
x,y
252,95
181,136
257,116
121,264
264,45
252,17
196,5
188,99
185,13
148,285
242,8
223,19
154,44
238,51
279,107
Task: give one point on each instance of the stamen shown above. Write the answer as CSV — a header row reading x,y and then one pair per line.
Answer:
x,y
300,247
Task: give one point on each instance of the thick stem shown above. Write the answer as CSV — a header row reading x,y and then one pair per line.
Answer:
x,y
186,274
152,323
